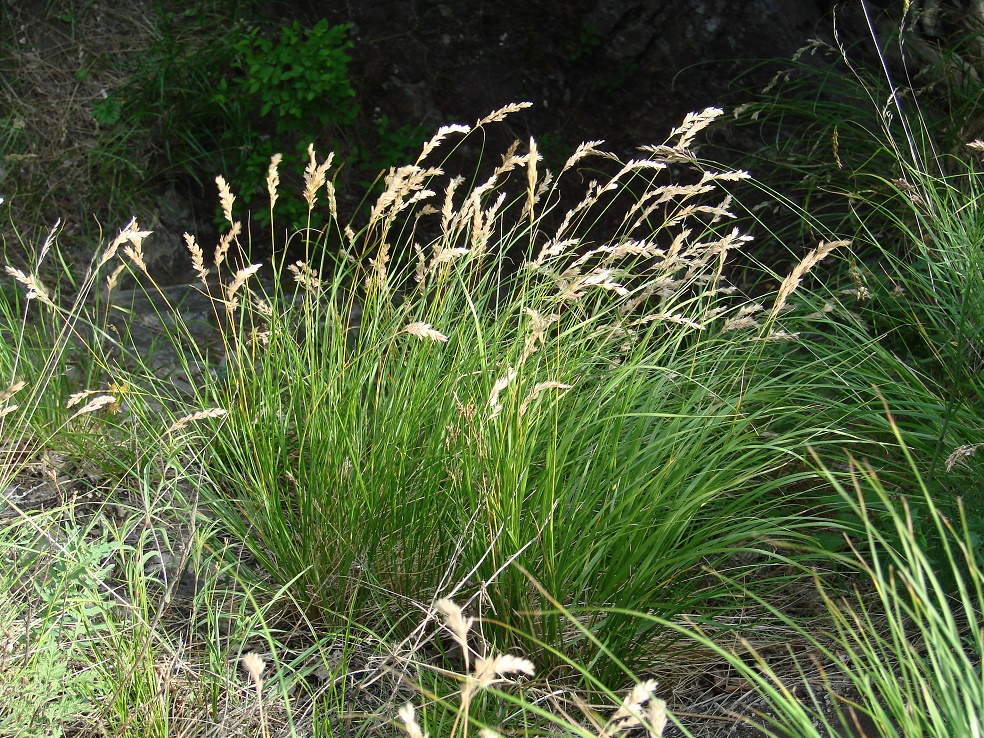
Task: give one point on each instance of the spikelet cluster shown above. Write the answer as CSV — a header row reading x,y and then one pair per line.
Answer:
x,y
640,708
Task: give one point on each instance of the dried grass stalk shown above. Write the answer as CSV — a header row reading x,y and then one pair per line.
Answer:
x,y
315,177
273,178
95,404
791,282
424,331
197,257
34,287
226,198
216,412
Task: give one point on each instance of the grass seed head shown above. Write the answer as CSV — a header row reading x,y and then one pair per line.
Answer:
x,y
957,456
438,137
273,178
12,390
408,715
500,114
131,233
791,282
113,278
500,384
315,176
424,331
656,718
489,671
197,257
456,622
639,707
239,280
95,404
226,198
34,287
225,243
305,276
216,412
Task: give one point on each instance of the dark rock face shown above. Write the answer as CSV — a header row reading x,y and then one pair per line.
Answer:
x,y
621,70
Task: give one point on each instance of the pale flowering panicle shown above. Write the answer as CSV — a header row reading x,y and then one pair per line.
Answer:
x,y
96,403
254,665
494,405
12,390
315,175
639,708
960,455
305,276
456,622
424,331
489,671
531,178
35,290
129,232
226,198
656,718
498,115
273,178
8,393
634,700
538,389
420,271
225,243
114,276
441,134
186,420
792,281
135,254
232,302
449,215
408,715
586,148
197,257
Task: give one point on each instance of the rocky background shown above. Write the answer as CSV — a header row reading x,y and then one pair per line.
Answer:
x,y
109,110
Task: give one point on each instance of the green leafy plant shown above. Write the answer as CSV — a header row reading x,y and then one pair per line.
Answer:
x,y
291,91
300,78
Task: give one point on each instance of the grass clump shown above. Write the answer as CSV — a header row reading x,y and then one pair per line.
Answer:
x,y
526,396
899,175
902,652
430,409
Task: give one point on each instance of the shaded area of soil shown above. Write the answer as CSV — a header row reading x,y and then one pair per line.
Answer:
x,y
625,71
